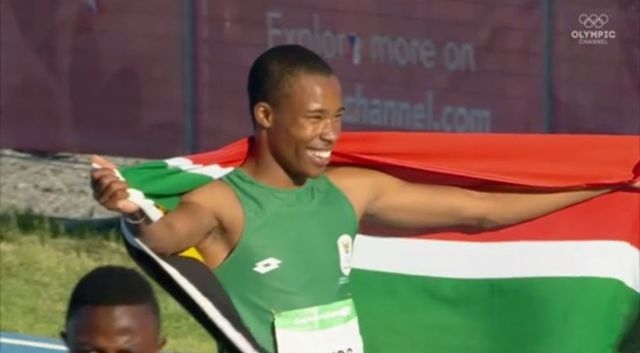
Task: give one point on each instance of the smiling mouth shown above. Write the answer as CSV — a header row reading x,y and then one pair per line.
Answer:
x,y
320,157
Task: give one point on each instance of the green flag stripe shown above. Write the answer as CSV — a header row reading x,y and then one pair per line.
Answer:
x,y
533,315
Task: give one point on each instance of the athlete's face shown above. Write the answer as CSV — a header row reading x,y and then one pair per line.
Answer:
x,y
113,329
305,124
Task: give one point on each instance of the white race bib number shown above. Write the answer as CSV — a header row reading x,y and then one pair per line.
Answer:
x,y
330,328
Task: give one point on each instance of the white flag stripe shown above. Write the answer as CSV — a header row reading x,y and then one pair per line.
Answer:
x,y
484,260
180,162
214,171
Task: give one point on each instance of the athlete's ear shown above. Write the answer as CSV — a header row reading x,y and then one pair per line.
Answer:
x,y
263,115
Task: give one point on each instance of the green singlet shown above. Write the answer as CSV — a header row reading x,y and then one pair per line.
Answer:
x,y
294,252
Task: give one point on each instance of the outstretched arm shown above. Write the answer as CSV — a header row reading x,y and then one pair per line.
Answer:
x,y
390,201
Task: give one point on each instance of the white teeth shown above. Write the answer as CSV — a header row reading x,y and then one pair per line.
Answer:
x,y
321,154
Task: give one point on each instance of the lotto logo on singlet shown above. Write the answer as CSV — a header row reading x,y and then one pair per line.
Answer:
x,y
267,265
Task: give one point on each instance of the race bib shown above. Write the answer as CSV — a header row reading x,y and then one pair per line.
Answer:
x,y
330,328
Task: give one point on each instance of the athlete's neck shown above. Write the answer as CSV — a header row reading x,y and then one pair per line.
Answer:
x,y
261,166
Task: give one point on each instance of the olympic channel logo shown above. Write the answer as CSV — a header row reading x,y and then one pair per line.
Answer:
x,y
594,32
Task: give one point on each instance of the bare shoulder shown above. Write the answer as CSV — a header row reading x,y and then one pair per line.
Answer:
x,y
354,175
218,200
213,195
348,173
358,184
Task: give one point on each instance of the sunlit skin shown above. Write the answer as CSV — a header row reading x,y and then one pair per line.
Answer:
x,y
113,329
306,120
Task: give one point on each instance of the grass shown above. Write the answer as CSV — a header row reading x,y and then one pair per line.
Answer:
x,y
39,265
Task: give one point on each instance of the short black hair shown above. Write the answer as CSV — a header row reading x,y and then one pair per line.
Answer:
x,y
271,70
112,286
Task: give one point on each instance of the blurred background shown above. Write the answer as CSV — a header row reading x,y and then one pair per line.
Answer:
x,y
142,79
156,78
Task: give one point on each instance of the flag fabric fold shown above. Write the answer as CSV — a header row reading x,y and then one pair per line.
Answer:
x,y
566,282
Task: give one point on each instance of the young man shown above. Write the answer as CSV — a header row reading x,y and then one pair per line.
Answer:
x,y
113,310
276,229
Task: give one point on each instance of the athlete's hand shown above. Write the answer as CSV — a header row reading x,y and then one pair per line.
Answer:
x,y
108,189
